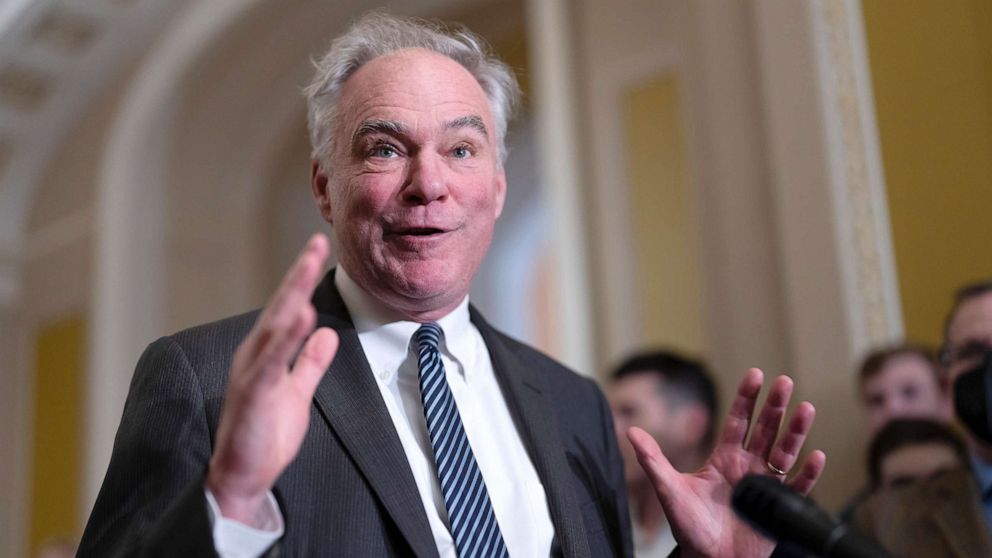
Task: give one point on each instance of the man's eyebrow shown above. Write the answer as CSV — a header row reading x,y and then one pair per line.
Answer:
x,y
472,121
378,126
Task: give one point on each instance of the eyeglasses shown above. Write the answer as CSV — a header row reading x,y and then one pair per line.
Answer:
x,y
973,351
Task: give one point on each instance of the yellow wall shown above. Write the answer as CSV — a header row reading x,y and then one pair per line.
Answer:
x,y
931,65
57,448
664,236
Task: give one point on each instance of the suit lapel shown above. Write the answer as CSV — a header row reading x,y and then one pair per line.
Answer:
x,y
524,390
350,401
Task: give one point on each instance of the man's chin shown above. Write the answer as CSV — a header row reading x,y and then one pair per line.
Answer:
x,y
424,297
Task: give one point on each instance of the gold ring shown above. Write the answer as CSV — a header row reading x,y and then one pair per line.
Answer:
x,y
775,469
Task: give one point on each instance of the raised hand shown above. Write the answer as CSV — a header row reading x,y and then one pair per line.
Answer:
x,y
697,505
267,404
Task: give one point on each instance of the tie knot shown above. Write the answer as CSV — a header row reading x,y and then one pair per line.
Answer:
x,y
428,335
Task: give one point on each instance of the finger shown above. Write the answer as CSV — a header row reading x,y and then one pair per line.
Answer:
x,y
654,462
285,343
294,291
735,426
770,418
809,473
316,356
785,454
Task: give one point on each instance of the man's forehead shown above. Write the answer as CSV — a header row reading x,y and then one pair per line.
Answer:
x,y
640,384
412,84
897,373
972,320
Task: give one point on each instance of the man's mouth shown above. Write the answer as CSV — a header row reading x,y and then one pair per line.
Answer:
x,y
420,231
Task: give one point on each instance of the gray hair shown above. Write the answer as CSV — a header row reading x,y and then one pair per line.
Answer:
x,y
377,34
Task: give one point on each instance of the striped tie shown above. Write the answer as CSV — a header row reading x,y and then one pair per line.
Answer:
x,y
473,523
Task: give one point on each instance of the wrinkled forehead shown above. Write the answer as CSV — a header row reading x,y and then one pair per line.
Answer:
x,y
411,84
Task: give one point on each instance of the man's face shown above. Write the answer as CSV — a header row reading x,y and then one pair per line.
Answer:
x,y
679,427
416,186
636,401
906,387
969,331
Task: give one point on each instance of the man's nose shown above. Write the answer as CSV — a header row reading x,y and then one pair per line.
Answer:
x,y
427,179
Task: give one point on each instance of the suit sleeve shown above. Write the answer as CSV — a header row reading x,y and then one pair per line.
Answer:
x,y
152,501
615,476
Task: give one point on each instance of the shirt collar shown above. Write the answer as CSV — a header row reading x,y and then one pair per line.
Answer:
x,y
385,335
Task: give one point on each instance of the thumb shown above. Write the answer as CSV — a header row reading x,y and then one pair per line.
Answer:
x,y
663,476
314,358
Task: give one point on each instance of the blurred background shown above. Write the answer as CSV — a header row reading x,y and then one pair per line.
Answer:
x,y
771,183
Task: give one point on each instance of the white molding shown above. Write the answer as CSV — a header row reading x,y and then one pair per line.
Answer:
x,y
73,81
858,185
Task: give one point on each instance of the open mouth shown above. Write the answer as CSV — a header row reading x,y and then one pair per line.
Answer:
x,y
420,231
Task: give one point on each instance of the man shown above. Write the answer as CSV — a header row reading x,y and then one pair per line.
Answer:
x,y
923,501
967,339
902,382
375,413
898,382
673,399
907,451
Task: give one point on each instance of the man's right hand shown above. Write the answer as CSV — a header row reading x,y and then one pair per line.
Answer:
x,y
267,406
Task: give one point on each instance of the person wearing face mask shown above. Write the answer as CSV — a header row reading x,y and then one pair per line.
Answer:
x,y
967,344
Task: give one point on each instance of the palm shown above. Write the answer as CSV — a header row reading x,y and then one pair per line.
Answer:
x,y
698,504
267,405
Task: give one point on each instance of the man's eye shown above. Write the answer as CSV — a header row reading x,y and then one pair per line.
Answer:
x,y
383,151
462,152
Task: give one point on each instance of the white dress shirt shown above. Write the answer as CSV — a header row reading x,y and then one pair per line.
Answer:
x,y
659,545
516,492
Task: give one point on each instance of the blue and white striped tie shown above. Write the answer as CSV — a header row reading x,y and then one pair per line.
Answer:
x,y
473,523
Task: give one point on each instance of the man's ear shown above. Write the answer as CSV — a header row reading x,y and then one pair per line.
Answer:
x,y
319,183
500,191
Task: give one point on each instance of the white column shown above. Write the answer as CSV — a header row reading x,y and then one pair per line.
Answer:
x,y
827,180
828,194
549,38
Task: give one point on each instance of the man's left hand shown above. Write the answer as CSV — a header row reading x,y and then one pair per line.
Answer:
x,y
697,505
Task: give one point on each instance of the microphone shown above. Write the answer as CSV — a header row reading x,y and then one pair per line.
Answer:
x,y
782,514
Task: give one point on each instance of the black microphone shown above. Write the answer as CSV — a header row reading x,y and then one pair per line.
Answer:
x,y
782,514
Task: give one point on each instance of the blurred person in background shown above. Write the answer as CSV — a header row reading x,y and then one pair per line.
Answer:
x,y
898,382
967,341
906,451
673,399
903,381
924,500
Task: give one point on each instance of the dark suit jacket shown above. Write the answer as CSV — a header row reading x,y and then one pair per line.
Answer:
x,y
350,492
